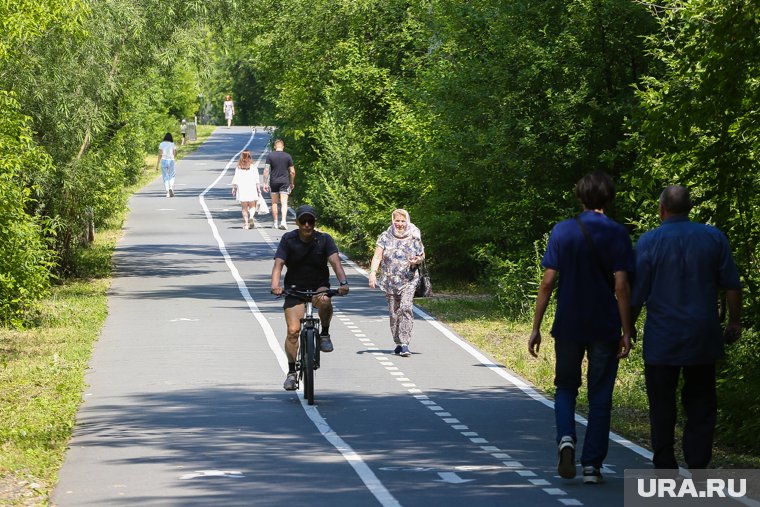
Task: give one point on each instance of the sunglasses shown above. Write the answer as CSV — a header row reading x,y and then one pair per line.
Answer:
x,y
306,220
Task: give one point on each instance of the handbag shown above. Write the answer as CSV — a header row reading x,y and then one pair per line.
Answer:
x,y
424,287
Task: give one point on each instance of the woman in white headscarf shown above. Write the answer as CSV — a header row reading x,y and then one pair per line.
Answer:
x,y
399,252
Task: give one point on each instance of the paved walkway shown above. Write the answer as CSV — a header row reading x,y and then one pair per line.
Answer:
x,y
185,404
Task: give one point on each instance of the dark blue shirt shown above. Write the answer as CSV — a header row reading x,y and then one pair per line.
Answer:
x,y
586,304
680,267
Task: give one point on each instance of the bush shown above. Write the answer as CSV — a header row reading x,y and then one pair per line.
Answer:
x,y
738,406
515,281
25,259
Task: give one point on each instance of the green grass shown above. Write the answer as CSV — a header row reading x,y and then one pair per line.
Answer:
x,y
42,368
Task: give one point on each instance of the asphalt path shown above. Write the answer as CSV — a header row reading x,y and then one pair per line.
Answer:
x,y
185,406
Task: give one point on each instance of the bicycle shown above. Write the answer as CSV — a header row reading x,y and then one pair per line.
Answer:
x,y
307,361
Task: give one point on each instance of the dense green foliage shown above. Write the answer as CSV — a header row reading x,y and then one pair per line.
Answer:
x,y
88,87
25,258
479,117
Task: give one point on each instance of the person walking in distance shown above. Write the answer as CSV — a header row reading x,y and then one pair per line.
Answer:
x,y
399,252
229,110
592,256
280,180
681,266
246,187
167,153
183,130
305,253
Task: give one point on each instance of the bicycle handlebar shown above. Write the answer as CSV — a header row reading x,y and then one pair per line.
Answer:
x,y
305,294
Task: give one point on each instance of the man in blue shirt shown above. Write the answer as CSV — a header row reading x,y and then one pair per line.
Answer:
x,y
680,268
592,256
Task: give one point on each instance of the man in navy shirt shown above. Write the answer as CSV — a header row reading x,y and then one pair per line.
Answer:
x,y
680,268
592,256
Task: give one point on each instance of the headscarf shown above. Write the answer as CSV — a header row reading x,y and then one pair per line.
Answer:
x,y
410,230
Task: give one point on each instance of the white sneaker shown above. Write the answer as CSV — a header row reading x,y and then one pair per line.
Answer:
x,y
283,225
274,224
168,194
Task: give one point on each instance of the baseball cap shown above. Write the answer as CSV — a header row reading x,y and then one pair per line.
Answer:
x,y
305,210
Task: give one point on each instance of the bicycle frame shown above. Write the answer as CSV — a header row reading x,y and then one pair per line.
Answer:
x,y
307,361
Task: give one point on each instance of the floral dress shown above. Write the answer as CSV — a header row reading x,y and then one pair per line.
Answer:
x,y
397,274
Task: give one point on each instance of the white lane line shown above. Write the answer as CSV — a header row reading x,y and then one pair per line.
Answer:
x,y
499,370
472,436
366,474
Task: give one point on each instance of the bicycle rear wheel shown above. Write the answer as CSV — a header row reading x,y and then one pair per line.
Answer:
x,y
308,374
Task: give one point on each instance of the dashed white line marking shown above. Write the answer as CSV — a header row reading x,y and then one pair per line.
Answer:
x,y
554,491
363,471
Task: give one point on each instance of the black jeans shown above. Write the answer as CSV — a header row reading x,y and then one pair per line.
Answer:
x,y
700,404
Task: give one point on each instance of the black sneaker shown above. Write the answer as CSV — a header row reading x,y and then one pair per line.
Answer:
x,y
325,344
291,381
397,350
591,475
566,464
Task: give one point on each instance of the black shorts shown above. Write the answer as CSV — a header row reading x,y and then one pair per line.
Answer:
x,y
291,301
280,188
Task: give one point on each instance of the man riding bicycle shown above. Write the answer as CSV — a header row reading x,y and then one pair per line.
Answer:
x,y
306,252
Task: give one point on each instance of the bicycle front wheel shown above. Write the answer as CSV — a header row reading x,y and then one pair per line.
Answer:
x,y
308,374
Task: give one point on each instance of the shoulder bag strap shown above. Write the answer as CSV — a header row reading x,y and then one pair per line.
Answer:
x,y
607,278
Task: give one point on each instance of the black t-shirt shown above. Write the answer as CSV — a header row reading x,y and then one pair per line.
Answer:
x,y
279,162
306,263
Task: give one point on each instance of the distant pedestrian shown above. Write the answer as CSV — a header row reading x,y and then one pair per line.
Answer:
x,y
246,187
280,180
167,153
183,130
399,252
592,256
229,110
680,268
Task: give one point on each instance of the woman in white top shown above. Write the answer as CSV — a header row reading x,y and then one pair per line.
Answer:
x,y
167,152
246,187
229,110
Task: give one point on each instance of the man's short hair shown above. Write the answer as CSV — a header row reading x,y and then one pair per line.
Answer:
x,y
675,199
595,190
279,141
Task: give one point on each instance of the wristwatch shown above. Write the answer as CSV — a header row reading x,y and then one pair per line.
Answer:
x,y
344,282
